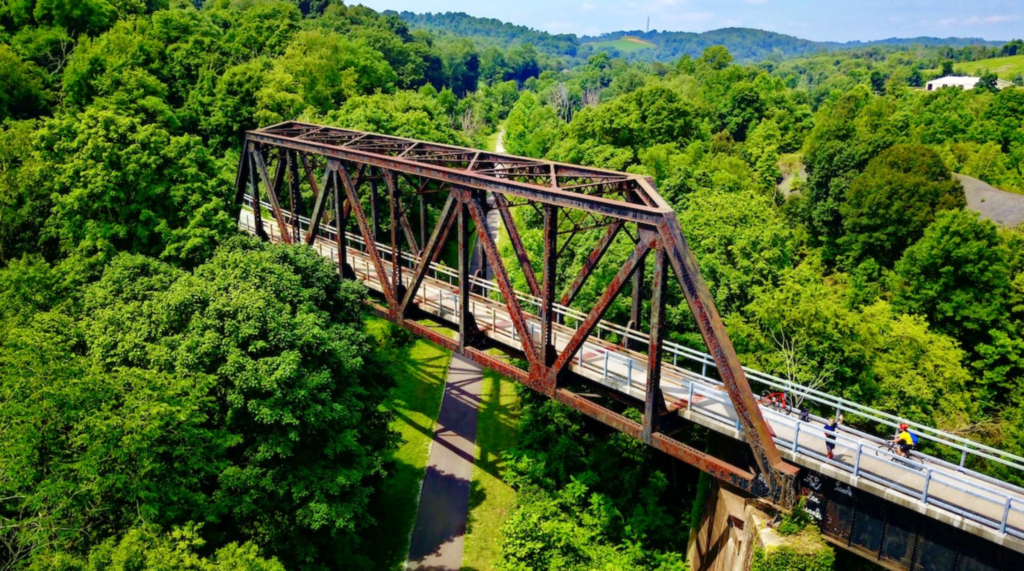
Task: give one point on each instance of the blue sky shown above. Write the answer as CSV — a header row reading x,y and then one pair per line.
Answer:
x,y
824,20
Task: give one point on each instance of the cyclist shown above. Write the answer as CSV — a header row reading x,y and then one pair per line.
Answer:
x,y
905,440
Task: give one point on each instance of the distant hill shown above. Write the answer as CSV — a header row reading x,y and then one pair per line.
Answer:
x,y
745,44
490,31
749,44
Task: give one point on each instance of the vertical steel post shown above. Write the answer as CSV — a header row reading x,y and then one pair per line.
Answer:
x,y
396,246
423,220
464,289
340,225
254,185
635,306
294,194
546,348
375,205
1006,514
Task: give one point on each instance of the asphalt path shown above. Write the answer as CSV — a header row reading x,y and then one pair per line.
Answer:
x,y
439,533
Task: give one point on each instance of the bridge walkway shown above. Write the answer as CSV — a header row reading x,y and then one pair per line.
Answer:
x,y
945,491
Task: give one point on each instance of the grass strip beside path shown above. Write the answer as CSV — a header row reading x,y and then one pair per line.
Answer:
x,y
490,498
420,369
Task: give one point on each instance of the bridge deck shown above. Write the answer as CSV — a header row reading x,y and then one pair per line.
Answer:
x,y
947,492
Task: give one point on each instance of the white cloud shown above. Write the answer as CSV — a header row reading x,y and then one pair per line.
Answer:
x,y
587,7
755,2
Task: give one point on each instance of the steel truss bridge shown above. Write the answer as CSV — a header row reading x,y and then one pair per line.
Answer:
x,y
365,190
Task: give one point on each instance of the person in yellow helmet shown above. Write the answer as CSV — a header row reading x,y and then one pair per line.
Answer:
x,y
905,440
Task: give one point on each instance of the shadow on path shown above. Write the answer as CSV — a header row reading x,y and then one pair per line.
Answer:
x,y
439,533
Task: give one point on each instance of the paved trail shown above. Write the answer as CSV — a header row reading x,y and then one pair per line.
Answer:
x,y
439,534
440,530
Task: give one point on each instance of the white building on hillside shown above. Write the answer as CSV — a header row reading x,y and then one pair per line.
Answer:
x,y
963,82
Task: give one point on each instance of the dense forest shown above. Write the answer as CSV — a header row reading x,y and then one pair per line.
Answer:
x,y
176,395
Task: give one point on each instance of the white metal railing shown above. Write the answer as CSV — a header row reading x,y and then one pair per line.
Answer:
x,y
985,491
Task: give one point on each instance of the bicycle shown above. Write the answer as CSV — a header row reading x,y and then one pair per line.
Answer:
x,y
893,448
776,401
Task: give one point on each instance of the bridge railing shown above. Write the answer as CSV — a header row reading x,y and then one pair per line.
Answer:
x,y
694,358
991,506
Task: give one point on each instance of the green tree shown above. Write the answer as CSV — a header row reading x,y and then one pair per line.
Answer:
x,y
85,16
957,276
121,184
226,105
532,127
22,94
320,71
920,373
837,149
404,114
25,201
716,57
147,548
741,241
890,204
256,29
645,117
243,395
989,83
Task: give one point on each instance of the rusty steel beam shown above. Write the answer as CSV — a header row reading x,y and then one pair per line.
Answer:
x,y
432,248
470,179
410,236
275,207
423,219
294,194
315,217
591,263
308,169
257,208
241,180
447,232
654,400
584,329
464,280
739,477
341,211
547,293
496,364
371,245
517,244
375,205
500,275
396,246
698,297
